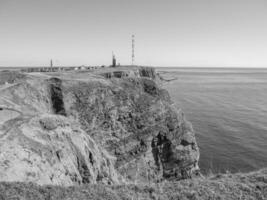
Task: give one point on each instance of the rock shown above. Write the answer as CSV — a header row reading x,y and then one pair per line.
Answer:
x,y
147,72
60,154
82,128
134,120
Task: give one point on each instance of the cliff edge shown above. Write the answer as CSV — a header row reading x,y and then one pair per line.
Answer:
x,y
106,126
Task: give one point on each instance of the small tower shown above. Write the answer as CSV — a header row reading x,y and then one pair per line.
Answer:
x,y
51,65
113,60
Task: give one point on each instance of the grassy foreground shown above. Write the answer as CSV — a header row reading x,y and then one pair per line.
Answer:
x,y
222,186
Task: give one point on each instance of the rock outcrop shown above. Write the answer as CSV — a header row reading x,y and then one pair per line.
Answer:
x,y
70,129
147,72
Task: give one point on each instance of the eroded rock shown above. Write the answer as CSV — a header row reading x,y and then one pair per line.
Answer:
x,y
61,154
135,122
76,129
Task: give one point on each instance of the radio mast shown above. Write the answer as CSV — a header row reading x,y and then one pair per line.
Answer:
x,y
132,49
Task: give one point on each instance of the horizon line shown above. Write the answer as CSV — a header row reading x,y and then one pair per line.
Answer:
x,y
156,66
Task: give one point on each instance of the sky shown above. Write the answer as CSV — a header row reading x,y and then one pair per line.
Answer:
x,y
198,33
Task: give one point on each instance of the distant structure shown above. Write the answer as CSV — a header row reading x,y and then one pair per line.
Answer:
x,y
113,60
51,65
132,49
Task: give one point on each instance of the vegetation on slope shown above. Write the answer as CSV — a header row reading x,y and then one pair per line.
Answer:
x,y
223,186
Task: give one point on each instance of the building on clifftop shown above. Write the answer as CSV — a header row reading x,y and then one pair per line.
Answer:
x,y
113,60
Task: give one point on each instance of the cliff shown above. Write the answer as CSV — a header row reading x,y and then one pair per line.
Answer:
x,y
104,134
73,128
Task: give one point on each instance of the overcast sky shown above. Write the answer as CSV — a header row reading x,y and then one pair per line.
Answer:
x,y
203,33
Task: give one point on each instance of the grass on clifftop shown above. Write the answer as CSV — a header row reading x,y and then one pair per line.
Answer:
x,y
222,186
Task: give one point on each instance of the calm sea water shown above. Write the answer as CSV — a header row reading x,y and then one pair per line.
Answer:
x,y
228,110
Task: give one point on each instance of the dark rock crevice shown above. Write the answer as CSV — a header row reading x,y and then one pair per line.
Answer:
x,y
82,166
150,87
57,96
83,170
186,143
161,150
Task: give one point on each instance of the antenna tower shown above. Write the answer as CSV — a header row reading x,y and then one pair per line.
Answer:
x,y
132,49
51,65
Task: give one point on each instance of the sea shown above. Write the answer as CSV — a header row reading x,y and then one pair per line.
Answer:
x,y
228,110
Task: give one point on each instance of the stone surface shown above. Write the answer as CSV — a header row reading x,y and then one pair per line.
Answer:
x,y
76,128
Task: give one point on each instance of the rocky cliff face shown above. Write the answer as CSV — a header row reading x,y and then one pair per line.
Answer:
x,y
70,129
